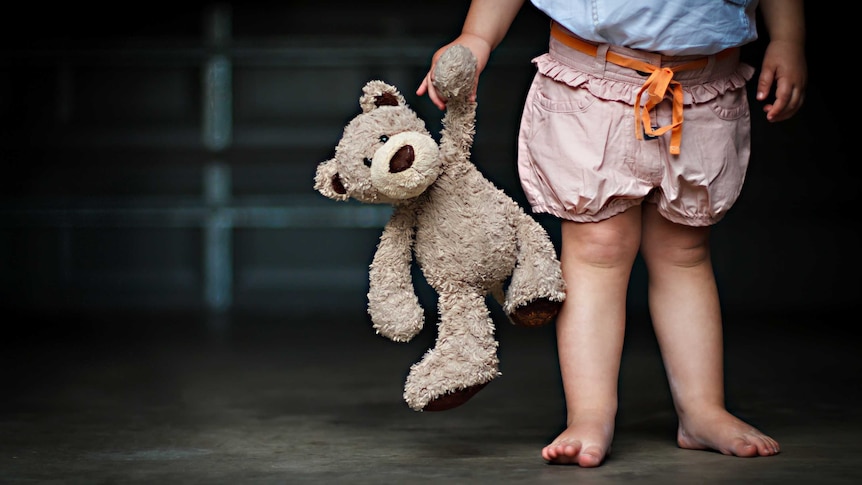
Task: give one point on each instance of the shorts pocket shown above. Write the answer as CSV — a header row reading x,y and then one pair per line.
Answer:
x,y
732,105
557,97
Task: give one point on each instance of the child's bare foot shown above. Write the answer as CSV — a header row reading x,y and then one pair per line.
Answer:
x,y
585,443
724,432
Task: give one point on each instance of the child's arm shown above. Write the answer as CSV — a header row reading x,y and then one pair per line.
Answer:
x,y
484,28
784,64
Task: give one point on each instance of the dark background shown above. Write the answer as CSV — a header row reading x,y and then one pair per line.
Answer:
x,y
132,184
177,305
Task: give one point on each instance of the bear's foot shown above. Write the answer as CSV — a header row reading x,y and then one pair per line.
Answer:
x,y
536,313
453,399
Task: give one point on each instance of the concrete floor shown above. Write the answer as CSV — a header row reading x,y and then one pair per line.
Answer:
x,y
156,398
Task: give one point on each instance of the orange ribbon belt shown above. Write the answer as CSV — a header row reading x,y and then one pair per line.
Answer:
x,y
656,86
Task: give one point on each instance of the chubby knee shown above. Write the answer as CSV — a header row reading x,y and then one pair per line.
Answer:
x,y
600,245
688,251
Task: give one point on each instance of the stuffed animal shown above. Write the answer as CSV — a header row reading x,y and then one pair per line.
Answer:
x,y
468,237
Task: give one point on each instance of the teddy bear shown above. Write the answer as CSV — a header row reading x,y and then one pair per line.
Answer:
x,y
468,237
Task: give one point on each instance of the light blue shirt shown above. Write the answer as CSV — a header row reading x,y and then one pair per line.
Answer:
x,y
670,27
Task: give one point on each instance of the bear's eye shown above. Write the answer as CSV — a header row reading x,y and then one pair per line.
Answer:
x,y
367,162
384,138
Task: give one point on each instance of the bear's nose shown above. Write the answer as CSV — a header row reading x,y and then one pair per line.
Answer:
x,y
402,160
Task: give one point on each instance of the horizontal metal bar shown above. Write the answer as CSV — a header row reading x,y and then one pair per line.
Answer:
x,y
312,134
310,52
349,216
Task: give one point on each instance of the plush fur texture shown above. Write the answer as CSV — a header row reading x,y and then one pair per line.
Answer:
x,y
468,237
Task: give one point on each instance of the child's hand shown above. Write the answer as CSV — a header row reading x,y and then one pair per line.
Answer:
x,y
427,85
784,66
480,49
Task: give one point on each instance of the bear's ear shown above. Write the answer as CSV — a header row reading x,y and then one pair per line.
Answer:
x,y
328,182
377,93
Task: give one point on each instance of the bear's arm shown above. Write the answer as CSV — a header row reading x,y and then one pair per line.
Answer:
x,y
392,303
454,75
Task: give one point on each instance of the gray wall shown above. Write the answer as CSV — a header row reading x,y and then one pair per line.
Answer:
x,y
163,158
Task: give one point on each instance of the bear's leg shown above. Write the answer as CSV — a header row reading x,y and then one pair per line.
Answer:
x,y
464,357
536,290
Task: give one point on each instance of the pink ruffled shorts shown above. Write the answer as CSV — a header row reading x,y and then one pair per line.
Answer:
x,y
579,158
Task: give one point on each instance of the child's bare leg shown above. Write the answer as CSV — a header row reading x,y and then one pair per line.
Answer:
x,y
596,261
684,304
